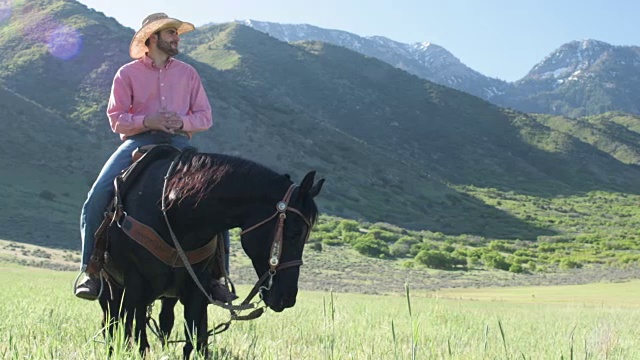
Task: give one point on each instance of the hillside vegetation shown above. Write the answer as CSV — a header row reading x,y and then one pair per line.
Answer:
x,y
456,179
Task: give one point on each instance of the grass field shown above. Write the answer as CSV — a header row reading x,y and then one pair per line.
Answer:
x,y
40,319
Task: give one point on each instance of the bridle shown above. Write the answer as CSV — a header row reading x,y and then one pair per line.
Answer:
x,y
276,245
274,259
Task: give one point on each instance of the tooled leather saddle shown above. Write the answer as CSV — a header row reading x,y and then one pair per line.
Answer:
x,y
139,232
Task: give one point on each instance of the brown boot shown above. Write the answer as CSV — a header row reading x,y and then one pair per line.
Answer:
x,y
221,292
88,288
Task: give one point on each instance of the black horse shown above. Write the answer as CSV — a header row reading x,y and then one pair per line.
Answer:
x,y
203,195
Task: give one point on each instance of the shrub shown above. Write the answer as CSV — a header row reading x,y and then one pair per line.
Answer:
x,y
569,264
495,260
525,253
408,264
501,246
433,259
385,236
447,248
316,246
332,241
348,226
516,268
371,247
436,259
402,247
351,238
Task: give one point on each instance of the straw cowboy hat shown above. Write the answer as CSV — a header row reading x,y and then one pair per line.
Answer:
x,y
151,24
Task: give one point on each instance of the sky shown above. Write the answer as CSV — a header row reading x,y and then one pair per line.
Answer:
x,y
499,38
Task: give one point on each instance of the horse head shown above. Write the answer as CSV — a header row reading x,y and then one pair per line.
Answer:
x,y
275,241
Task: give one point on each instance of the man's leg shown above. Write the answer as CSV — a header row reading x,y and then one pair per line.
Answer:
x,y
98,199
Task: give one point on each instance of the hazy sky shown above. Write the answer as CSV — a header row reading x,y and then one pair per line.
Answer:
x,y
499,38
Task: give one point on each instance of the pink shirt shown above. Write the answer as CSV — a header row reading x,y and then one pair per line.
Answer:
x,y
140,88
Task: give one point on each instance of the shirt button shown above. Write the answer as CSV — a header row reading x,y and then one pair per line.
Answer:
x,y
163,98
161,84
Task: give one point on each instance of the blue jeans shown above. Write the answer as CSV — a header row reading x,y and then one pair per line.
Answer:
x,y
101,192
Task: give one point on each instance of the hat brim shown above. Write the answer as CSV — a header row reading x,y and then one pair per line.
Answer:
x,y
137,48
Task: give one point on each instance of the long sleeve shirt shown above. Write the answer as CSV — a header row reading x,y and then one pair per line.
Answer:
x,y
140,89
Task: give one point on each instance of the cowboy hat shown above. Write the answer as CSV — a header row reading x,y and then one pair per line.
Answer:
x,y
151,24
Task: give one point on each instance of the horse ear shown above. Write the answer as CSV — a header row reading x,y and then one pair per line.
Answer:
x,y
315,190
307,182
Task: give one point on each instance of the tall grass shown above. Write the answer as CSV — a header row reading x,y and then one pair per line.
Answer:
x,y
40,319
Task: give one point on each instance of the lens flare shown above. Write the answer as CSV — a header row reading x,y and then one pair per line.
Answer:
x,y
5,9
64,42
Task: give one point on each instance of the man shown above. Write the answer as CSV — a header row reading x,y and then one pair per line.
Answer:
x,y
154,99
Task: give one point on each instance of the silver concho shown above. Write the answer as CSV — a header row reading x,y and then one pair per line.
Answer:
x,y
273,261
282,206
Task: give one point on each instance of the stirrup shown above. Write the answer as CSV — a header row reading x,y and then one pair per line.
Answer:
x,y
75,283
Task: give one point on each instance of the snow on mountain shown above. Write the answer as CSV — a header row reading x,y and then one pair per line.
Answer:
x,y
579,78
426,60
570,62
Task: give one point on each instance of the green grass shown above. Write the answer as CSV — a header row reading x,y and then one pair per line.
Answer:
x,y
42,320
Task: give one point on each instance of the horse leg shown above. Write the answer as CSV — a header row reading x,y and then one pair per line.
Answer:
x,y
195,315
141,329
133,307
166,318
110,315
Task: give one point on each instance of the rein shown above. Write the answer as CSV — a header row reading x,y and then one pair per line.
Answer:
x,y
274,260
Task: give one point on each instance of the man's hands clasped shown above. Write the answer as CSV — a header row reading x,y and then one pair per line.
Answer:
x,y
163,120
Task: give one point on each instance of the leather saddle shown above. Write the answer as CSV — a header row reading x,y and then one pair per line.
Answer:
x,y
139,232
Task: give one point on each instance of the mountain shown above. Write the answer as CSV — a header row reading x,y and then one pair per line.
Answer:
x,y
393,147
581,78
447,133
425,60
62,100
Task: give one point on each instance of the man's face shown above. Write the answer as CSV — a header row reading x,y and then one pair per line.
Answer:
x,y
168,41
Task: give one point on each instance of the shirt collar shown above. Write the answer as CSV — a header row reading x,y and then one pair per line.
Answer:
x,y
148,62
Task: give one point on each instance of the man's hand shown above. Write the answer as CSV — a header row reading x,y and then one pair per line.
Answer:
x,y
167,121
174,121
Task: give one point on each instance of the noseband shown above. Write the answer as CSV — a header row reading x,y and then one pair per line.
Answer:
x,y
276,245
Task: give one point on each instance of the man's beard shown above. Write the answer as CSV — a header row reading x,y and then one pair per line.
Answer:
x,y
165,46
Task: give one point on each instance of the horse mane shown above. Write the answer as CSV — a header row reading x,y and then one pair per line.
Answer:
x,y
196,174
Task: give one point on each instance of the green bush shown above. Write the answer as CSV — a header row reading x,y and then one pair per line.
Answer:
x,y
351,238
569,264
332,242
385,236
496,261
436,259
516,268
371,247
501,246
316,246
348,226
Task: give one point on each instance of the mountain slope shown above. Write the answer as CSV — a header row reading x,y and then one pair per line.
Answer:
x,y
44,167
361,178
425,60
393,147
580,78
61,47
449,134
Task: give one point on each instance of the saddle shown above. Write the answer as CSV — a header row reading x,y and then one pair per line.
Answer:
x,y
139,232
